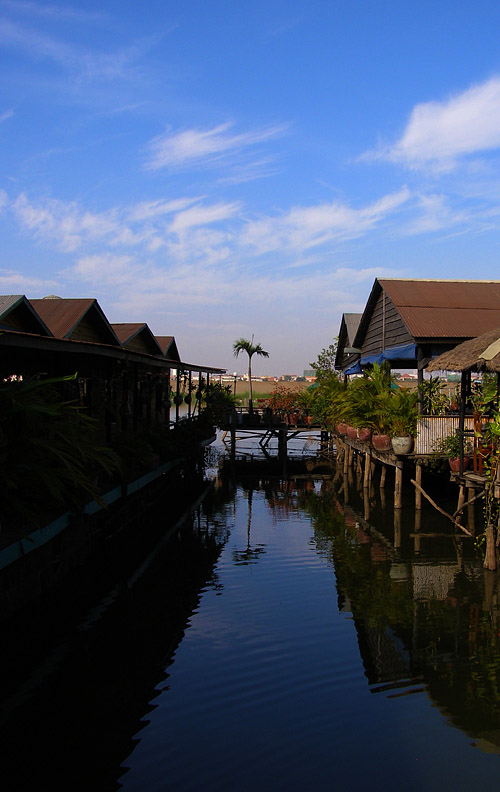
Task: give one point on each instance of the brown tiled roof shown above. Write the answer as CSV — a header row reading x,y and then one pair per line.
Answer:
x,y
441,308
62,315
128,331
168,347
17,313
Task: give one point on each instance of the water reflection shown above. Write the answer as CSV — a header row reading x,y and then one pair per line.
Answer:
x,y
291,634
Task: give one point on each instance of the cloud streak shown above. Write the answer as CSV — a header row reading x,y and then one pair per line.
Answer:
x,y
439,134
192,146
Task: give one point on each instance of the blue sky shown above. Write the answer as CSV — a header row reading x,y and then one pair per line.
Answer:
x,y
218,169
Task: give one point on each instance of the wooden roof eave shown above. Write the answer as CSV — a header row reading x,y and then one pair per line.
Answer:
x,y
50,344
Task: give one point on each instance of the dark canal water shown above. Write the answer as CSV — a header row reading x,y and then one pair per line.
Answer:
x,y
279,640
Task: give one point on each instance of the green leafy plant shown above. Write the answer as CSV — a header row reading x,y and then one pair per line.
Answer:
x,y
434,400
402,412
244,345
50,454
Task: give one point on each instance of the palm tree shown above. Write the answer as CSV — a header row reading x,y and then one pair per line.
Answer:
x,y
244,345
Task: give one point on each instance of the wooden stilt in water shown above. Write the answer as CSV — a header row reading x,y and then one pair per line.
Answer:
x,y
418,493
366,479
471,512
346,458
397,529
460,504
398,486
383,474
366,503
490,556
282,450
416,539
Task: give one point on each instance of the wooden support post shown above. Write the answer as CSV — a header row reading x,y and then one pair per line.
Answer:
x,y
366,503
397,529
418,493
346,458
416,539
351,456
398,486
282,449
471,512
366,478
383,474
346,488
490,556
461,501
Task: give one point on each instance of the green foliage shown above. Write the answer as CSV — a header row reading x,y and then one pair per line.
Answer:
x,y
244,345
50,457
324,367
219,403
434,400
402,412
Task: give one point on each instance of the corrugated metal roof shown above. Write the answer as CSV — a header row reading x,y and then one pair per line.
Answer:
x,y
434,309
352,321
62,315
8,301
443,293
126,332
168,347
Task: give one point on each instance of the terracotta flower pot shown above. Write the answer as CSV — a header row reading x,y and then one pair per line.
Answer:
x,y
365,435
381,442
352,433
342,428
455,464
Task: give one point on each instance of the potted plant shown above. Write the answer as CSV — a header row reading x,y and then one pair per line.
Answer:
x,y
449,447
402,413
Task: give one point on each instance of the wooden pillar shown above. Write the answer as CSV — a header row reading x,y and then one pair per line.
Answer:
x,y
367,476
351,456
366,503
471,512
282,449
346,488
490,558
383,474
418,479
346,458
398,486
417,540
397,529
461,501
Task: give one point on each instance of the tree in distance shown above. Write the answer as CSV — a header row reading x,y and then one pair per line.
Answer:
x,y
244,345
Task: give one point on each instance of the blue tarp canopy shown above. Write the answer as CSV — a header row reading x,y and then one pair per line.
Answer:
x,y
355,369
405,352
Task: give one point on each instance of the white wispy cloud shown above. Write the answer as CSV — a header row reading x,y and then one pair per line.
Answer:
x,y
438,134
15,282
183,225
305,227
183,149
5,115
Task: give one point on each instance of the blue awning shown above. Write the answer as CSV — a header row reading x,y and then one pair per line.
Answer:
x,y
405,352
355,369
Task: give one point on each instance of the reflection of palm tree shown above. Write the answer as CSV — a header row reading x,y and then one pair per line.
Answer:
x,y
249,555
244,345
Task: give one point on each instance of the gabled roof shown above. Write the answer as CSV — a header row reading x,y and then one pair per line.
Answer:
x,y
168,347
438,309
347,333
137,336
17,314
75,319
